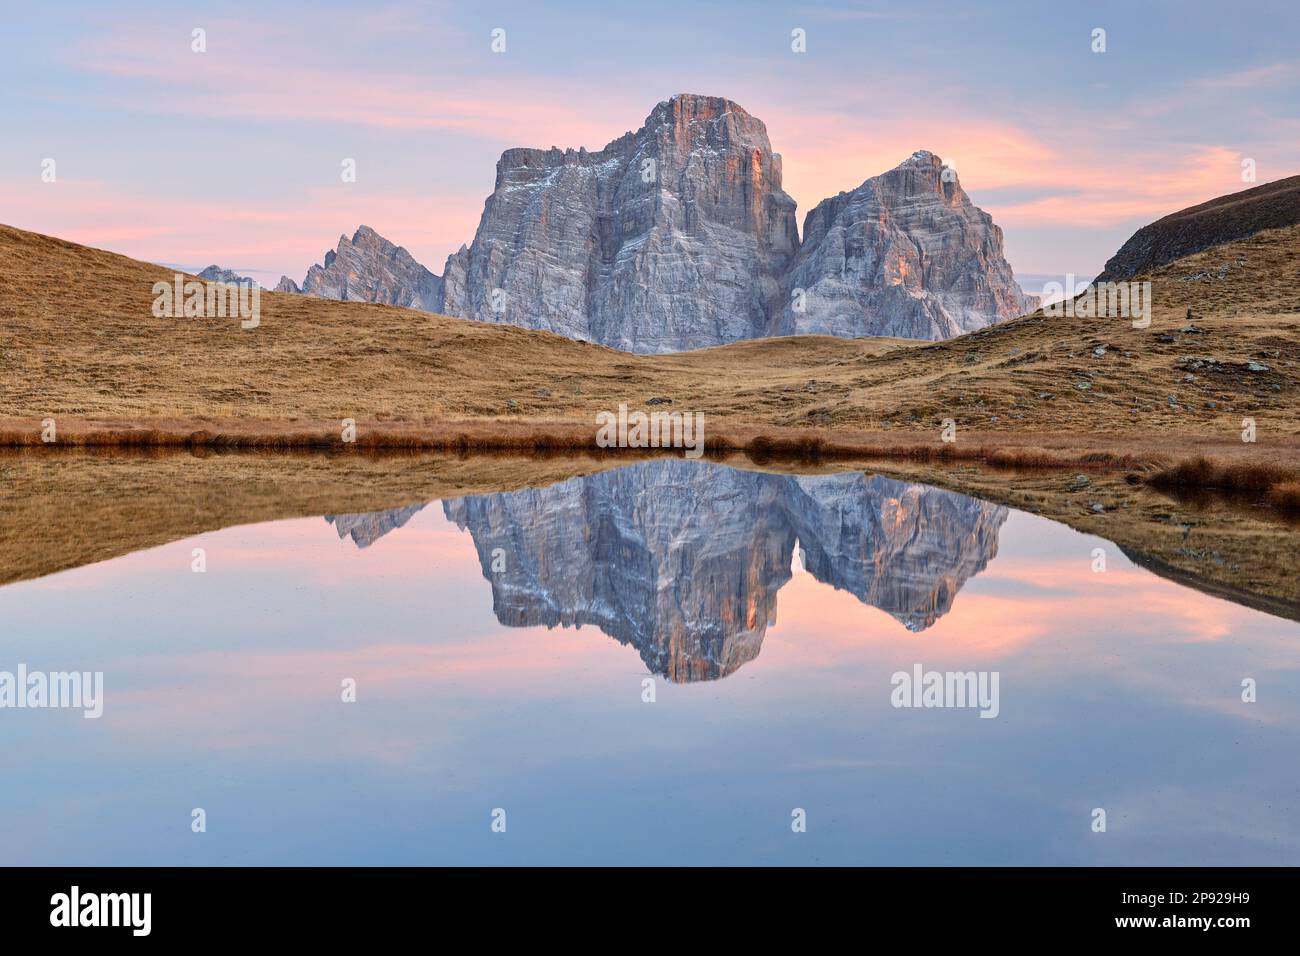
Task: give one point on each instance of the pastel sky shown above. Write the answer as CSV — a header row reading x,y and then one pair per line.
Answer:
x,y
233,156
222,690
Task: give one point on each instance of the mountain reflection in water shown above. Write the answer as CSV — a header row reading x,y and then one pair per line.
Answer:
x,y
683,560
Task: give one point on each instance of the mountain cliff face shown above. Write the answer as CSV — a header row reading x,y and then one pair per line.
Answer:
x,y
679,236
673,237
905,254
683,560
369,268
1273,205
904,548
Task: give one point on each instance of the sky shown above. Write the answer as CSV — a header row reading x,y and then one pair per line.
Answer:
x,y
234,155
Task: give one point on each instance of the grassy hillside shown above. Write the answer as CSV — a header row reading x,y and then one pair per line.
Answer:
x,y
78,342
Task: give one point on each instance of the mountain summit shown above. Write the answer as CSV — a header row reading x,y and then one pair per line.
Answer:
x,y
673,237
369,268
679,236
906,254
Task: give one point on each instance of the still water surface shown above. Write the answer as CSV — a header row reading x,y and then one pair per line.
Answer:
x,y
502,647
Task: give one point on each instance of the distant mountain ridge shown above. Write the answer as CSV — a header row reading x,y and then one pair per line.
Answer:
x,y
679,236
214,273
369,268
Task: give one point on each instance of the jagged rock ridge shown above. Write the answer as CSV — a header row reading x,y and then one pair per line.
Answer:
x,y
368,527
369,268
906,254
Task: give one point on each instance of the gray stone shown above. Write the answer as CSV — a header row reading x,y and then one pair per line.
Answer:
x,y
369,268
673,237
215,273
905,254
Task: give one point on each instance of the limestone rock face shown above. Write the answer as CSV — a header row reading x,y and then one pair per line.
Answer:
x,y
670,238
215,273
905,254
903,548
369,268
679,236
287,285
680,561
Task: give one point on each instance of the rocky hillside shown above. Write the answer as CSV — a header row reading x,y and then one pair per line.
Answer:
x,y
98,353
906,254
1188,231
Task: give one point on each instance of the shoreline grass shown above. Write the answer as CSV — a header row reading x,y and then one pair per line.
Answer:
x,y
571,440
1276,485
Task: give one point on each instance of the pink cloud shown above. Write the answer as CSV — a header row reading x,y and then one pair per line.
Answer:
x,y
273,77
281,235
1038,170
1085,186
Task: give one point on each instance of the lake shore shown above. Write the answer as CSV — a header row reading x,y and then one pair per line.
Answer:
x,y
79,506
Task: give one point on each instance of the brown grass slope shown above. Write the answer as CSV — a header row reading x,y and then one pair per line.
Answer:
x,y
78,342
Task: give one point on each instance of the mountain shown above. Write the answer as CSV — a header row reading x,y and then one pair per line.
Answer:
x,y
906,549
215,273
670,238
679,236
906,254
369,268
1229,218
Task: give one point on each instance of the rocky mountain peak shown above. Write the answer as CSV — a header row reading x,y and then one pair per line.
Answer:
x,y
679,236
672,237
905,254
369,268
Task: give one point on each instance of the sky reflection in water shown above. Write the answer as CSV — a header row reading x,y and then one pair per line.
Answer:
x,y
772,612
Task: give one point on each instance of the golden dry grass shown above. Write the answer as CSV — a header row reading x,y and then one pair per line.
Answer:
x,y
78,342
1273,483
